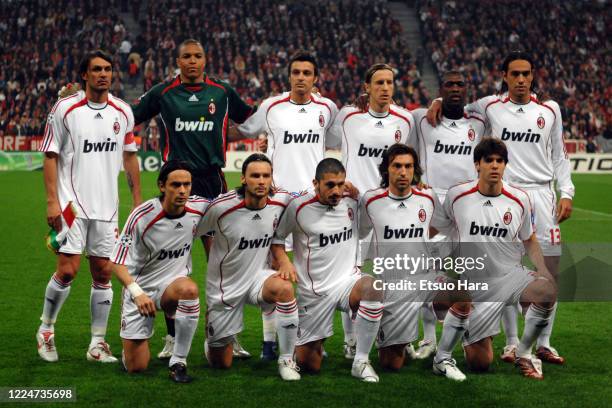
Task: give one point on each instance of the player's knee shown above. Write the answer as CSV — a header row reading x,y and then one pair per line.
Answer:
x,y
311,366
390,361
282,290
462,307
66,273
543,293
368,292
189,290
479,362
134,366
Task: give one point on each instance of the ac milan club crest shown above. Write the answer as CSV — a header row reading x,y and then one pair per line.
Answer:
x,y
507,217
212,108
350,214
116,127
398,135
321,120
422,215
471,135
541,122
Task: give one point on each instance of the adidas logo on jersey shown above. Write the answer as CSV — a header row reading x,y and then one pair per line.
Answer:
x,y
401,233
106,146
452,149
301,137
379,124
370,151
527,137
178,226
256,217
302,110
453,124
174,253
193,98
193,125
98,116
345,235
495,231
402,205
520,110
487,204
255,243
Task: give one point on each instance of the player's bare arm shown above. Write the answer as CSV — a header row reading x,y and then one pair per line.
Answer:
x,y
534,252
564,209
286,269
132,174
145,305
50,176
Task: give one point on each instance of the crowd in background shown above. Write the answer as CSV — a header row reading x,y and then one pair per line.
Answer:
x,y
248,44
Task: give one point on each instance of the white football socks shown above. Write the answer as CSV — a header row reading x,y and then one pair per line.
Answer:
x,y
366,327
536,319
55,296
510,324
186,324
453,328
286,327
268,320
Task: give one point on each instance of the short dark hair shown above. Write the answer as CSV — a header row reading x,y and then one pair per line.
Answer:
x,y
84,64
255,157
518,55
305,56
449,73
188,42
390,154
374,68
328,165
490,146
169,167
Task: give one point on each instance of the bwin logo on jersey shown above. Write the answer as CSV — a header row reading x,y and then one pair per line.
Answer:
x,y
193,125
495,231
338,237
106,146
370,151
301,137
452,149
174,253
255,243
401,233
527,137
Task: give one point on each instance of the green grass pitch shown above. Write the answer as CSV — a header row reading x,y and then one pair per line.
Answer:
x,y
582,334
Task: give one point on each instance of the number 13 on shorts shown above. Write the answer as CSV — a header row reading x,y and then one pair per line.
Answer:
x,y
555,236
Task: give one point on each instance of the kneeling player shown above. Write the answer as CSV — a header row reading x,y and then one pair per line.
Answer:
x,y
244,221
491,218
324,227
400,218
153,261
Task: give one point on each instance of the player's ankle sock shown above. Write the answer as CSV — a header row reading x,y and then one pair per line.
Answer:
x,y
366,327
348,326
453,328
100,302
544,337
186,322
268,320
429,323
286,327
536,319
510,324
55,295
170,325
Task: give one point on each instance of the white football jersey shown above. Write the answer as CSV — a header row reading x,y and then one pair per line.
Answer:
x,y
533,133
324,242
241,245
155,246
446,151
90,139
492,227
297,136
364,136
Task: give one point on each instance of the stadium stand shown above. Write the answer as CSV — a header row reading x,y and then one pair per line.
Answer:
x,y
569,41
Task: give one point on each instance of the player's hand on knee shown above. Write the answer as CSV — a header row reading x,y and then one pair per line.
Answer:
x,y
146,307
564,209
287,272
53,216
434,113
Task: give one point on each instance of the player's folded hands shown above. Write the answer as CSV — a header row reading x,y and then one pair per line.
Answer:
x,y
287,272
146,307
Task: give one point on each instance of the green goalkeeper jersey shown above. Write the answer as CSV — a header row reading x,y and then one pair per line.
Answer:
x,y
195,119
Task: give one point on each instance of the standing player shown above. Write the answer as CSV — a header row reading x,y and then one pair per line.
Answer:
x,y
324,228
492,219
153,262
244,222
87,138
446,152
364,134
195,111
296,123
399,216
533,131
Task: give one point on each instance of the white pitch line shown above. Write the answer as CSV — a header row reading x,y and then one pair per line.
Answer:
x,y
601,214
